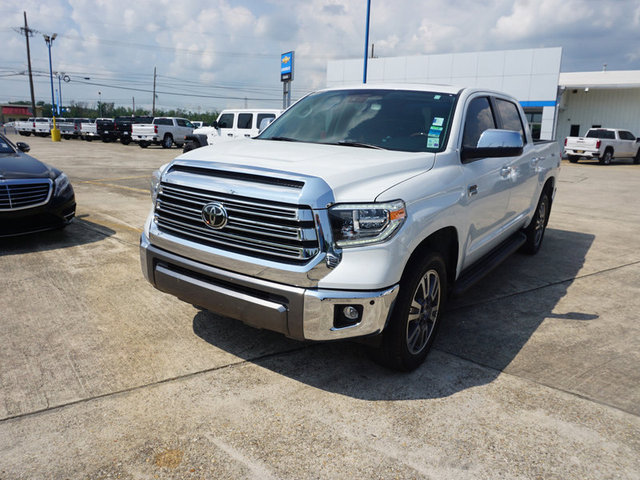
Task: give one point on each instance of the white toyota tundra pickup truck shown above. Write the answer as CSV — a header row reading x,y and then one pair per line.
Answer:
x,y
355,214
603,144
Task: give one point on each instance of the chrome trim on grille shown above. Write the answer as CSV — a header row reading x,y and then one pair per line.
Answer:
x,y
260,227
23,194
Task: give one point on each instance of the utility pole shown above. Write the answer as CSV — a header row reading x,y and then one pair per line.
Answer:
x,y
28,33
134,106
153,108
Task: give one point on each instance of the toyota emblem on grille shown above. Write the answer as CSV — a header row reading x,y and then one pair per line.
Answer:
x,y
214,215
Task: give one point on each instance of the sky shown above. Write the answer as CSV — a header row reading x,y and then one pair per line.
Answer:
x,y
218,54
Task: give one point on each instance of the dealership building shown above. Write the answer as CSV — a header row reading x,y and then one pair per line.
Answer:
x,y
556,104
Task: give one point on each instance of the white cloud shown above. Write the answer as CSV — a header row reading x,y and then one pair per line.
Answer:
x,y
237,43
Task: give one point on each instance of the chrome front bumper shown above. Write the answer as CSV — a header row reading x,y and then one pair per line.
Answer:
x,y
297,312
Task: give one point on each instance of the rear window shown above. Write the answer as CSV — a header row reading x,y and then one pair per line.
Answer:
x,y
606,134
163,121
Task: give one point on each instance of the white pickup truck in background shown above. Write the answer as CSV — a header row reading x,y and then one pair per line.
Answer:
x,y
163,131
26,127
354,214
603,144
231,124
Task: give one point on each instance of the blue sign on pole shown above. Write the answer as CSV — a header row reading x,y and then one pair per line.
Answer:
x,y
286,67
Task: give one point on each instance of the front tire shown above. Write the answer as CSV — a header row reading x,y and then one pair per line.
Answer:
x,y
125,140
416,315
537,227
636,159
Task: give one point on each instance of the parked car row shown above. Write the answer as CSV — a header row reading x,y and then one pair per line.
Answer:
x,y
163,131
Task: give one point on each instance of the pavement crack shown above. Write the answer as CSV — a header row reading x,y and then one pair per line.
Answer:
x,y
135,388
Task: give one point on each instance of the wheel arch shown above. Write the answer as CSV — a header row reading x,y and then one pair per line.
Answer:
x,y
446,242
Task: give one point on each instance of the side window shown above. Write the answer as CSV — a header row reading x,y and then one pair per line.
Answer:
x,y
244,120
181,122
624,135
479,118
225,120
262,116
509,117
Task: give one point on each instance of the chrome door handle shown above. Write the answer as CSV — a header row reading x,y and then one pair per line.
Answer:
x,y
473,190
536,160
505,171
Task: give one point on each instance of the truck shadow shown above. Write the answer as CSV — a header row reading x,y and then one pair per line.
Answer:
x,y
482,333
78,232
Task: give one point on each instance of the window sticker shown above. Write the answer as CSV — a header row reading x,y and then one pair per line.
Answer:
x,y
438,121
433,142
435,131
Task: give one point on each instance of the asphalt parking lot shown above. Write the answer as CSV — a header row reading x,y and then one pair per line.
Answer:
x,y
535,375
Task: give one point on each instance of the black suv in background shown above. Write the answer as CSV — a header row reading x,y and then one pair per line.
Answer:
x,y
119,128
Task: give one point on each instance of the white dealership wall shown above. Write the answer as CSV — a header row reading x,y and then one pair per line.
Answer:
x,y
530,75
606,98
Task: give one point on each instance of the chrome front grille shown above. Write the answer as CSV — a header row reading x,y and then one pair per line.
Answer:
x,y
21,194
256,227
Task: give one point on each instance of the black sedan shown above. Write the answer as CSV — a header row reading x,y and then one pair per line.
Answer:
x,y
33,195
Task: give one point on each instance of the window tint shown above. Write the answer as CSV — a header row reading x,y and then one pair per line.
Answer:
x,y
624,135
410,121
244,120
479,119
605,134
509,117
181,122
225,120
262,116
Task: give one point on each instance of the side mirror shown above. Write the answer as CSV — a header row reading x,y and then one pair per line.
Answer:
x,y
264,123
214,124
23,147
495,143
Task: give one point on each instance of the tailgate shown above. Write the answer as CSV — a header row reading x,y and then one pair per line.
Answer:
x,y
143,129
581,143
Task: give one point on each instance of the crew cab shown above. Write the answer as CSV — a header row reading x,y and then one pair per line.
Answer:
x,y
355,214
70,127
603,144
163,131
231,124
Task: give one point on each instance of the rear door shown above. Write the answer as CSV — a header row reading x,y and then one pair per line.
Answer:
x,y
245,124
522,173
628,146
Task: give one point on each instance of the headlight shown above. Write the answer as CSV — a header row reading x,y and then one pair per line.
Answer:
x,y
354,225
156,178
61,183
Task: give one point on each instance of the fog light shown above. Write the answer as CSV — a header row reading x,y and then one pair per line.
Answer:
x,y
350,313
347,315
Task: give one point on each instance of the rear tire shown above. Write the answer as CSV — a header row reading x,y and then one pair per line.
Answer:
x,y
636,159
606,158
416,315
573,158
125,140
167,141
537,227
143,144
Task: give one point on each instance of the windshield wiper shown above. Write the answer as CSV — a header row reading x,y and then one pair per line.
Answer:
x,y
357,144
282,139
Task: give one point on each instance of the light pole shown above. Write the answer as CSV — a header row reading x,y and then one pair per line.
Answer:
x,y
61,76
100,103
55,133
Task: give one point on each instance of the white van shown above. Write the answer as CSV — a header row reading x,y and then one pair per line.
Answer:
x,y
230,125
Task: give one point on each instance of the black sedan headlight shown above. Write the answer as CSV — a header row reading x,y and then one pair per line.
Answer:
x,y
61,183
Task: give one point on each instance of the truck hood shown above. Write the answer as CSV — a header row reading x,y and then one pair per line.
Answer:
x,y
354,174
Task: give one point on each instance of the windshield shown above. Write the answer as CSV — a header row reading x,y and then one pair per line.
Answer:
x,y
6,146
404,120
